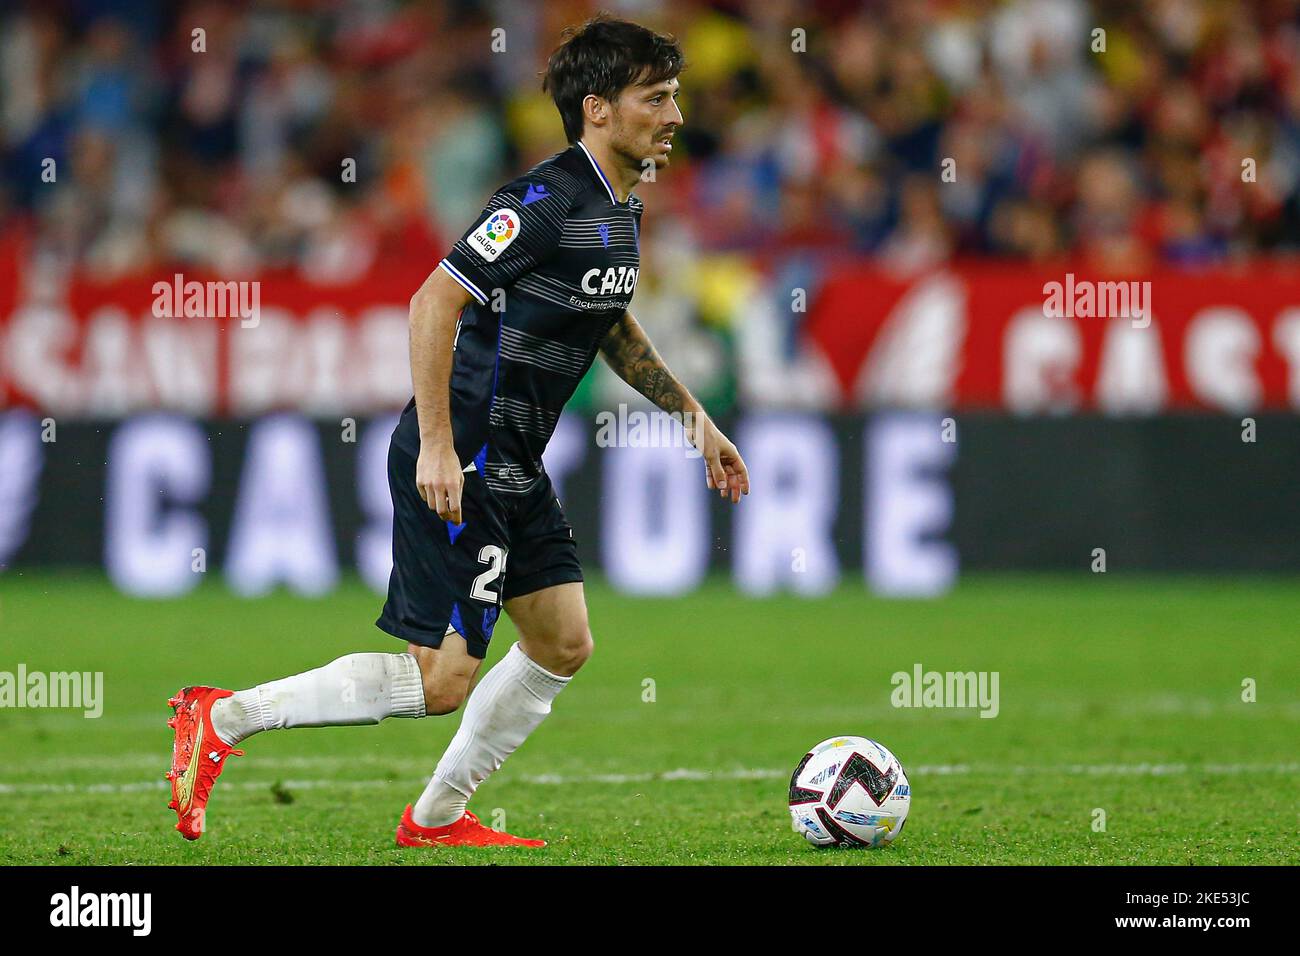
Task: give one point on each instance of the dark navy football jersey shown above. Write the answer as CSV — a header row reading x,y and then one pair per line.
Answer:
x,y
551,263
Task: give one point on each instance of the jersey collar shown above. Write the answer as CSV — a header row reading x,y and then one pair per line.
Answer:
x,y
600,173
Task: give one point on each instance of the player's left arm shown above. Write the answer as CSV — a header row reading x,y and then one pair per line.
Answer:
x,y
632,356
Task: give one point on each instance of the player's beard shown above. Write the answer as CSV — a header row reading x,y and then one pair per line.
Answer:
x,y
631,146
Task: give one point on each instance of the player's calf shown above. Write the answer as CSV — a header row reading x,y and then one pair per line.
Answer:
x,y
508,704
355,689
208,722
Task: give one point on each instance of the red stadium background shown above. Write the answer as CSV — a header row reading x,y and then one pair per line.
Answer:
x,y
868,208
972,335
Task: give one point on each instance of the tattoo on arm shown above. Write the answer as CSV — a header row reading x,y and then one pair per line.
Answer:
x,y
629,352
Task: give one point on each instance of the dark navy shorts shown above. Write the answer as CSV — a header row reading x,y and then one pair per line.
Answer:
x,y
455,578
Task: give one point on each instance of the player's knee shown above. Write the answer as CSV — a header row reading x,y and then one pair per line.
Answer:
x,y
441,699
573,650
445,679
443,693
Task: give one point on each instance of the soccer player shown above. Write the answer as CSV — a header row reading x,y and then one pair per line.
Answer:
x,y
502,331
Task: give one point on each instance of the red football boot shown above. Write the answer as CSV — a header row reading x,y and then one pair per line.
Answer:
x,y
198,756
466,831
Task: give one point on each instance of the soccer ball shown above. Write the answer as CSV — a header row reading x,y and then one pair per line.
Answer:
x,y
849,791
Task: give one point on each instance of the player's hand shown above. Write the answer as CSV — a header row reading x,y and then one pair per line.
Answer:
x,y
439,479
724,469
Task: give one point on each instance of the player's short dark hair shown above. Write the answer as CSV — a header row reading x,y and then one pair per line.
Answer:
x,y
604,56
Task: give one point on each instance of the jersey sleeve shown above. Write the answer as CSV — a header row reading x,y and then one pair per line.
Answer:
x,y
517,230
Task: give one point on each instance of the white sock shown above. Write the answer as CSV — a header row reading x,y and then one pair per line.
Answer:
x,y
356,689
507,705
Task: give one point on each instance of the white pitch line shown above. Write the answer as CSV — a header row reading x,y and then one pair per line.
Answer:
x,y
1166,705
53,766
680,774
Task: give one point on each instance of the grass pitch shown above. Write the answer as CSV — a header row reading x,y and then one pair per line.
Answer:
x,y
1116,695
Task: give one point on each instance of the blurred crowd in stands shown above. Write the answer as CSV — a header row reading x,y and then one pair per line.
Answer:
x,y
831,139
1118,132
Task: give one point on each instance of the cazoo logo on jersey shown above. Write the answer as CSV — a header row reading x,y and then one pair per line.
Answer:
x,y
612,280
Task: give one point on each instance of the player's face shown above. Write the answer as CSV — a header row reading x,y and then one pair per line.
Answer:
x,y
645,119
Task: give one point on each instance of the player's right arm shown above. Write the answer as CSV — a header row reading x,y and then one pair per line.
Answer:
x,y
435,309
517,230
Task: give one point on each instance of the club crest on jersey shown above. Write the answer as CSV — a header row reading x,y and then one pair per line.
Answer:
x,y
490,239
610,281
